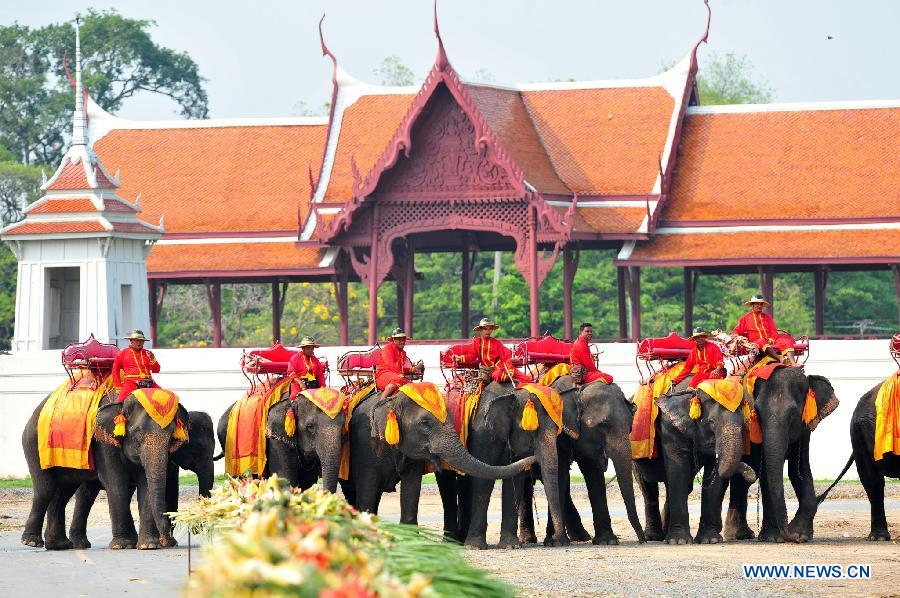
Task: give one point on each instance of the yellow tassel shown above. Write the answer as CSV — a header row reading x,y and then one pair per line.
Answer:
x,y
695,407
754,428
179,433
119,429
392,429
290,423
810,409
529,417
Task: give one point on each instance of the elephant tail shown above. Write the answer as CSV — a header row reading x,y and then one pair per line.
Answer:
x,y
219,456
824,495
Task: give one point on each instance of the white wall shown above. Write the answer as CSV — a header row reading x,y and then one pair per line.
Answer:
x,y
210,380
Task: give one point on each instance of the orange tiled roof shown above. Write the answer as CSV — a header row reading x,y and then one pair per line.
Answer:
x,y
72,177
232,257
758,247
794,164
610,220
62,206
366,129
218,179
605,141
46,228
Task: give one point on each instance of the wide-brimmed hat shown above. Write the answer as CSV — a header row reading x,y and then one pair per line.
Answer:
x,y
486,323
699,333
308,342
136,335
397,333
757,298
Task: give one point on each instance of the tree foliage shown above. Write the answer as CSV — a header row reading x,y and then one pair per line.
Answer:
x,y
393,72
729,79
19,186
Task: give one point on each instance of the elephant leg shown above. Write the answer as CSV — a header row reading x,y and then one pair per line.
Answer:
x,y
464,492
775,447
283,460
545,451
596,487
653,530
481,500
368,492
574,527
873,483
348,489
172,488
679,480
736,527
410,489
148,535
448,487
55,532
84,501
44,489
526,512
711,495
801,527
511,496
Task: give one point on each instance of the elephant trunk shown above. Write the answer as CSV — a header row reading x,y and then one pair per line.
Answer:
x,y
619,450
448,447
205,477
155,461
729,447
328,448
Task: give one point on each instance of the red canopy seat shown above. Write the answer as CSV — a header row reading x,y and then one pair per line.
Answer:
x,y
91,354
268,361
448,361
546,349
665,348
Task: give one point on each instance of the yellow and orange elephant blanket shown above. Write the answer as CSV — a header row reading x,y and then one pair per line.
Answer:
x,y
887,417
329,400
67,419
245,441
643,425
550,400
160,404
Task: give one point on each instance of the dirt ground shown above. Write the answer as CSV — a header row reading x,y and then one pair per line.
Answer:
x,y
577,570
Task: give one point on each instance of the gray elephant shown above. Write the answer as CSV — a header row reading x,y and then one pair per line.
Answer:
x,y
597,420
713,443
313,451
140,459
377,466
195,455
780,404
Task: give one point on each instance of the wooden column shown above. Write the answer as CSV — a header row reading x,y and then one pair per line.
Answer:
x,y
373,279
214,296
466,276
570,267
821,280
400,283
278,297
340,295
410,290
767,286
634,290
895,268
154,310
533,284
621,284
688,301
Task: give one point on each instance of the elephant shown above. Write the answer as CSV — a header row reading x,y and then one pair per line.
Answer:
x,y
779,405
871,472
496,437
195,455
314,449
140,459
376,466
597,421
714,443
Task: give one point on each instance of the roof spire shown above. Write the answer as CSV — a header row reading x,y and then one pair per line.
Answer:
x,y
441,61
326,51
79,121
705,38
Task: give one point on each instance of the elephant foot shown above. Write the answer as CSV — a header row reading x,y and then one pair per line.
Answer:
x,y
476,544
81,542
58,544
654,534
771,535
800,532
509,543
708,537
33,540
578,535
168,542
123,543
527,536
741,533
149,545
736,527
879,535
678,537
605,538
556,541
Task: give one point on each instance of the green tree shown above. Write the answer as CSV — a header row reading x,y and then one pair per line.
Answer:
x,y
729,79
393,72
19,186
119,59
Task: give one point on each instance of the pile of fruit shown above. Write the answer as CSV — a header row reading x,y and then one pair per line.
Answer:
x,y
272,539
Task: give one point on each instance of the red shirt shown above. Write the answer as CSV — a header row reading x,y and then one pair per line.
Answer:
x,y
307,368
705,360
581,355
755,326
391,359
489,352
132,365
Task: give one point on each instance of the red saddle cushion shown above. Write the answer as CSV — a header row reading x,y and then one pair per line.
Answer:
x,y
101,355
277,356
447,360
359,360
667,347
546,349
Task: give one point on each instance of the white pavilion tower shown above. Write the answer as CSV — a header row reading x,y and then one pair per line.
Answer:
x,y
81,250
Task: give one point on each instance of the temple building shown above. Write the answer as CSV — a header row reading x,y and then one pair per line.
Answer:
x,y
542,170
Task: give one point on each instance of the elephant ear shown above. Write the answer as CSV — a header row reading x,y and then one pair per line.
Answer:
x,y
496,406
105,424
826,399
275,423
676,408
571,411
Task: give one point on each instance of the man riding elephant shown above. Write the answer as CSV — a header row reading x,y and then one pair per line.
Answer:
x,y
494,359
391,372
706,358
584,371
759,328
134,366
305,368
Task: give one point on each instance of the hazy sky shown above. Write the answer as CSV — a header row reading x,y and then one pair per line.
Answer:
x,y
260,58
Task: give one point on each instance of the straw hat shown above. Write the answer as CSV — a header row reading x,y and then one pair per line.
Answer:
x,y
486,323
136,335
757,298
397,333
699,333
308,342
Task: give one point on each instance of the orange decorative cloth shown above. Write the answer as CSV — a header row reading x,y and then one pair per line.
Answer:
x,y
557,371
728,393
160,404
702,362
810,409
581,355
428,397
760,329
67,419
329,400
245,440
887,417
761,369
551,401
391,367
643,425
